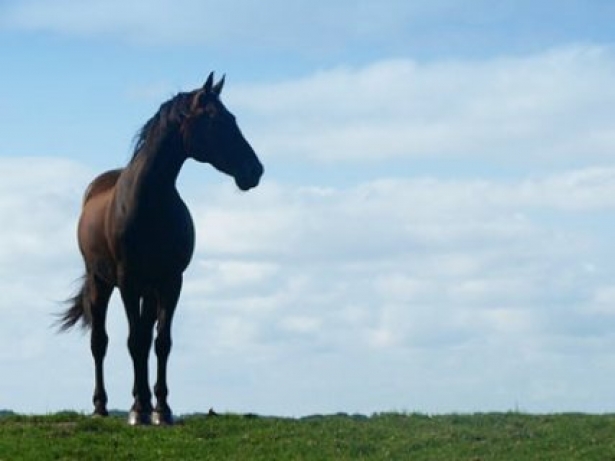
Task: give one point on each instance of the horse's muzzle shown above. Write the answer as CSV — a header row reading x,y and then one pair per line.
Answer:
x,y
249,176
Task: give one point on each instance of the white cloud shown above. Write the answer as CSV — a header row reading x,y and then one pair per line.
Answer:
x,y
31,194
548,108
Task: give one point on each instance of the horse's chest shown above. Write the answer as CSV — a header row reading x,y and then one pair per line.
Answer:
x,y
156,240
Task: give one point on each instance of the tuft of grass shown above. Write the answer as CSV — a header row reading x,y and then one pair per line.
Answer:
x,y
386,436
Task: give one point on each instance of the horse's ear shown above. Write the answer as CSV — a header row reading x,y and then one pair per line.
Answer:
x,y
209,83
217,89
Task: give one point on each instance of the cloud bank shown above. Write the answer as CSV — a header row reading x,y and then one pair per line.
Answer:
x,y
412,294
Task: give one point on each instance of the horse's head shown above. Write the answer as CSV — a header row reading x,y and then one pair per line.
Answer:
x,y
211,135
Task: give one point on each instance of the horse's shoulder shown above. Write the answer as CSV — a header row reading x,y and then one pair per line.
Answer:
x,y
101,183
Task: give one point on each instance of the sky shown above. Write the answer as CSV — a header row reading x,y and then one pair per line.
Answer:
x,y
433,232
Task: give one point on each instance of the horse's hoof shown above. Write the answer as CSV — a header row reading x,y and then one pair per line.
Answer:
x,y
136,418
162,418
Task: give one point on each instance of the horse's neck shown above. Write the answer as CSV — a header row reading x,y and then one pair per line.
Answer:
x,y
155,171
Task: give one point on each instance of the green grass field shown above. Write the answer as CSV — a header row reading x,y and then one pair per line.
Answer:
x,y
497,436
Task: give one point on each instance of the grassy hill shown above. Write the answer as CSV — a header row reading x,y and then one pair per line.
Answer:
x,y
510,436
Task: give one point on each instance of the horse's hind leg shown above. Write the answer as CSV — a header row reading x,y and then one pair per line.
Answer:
x,y
99,293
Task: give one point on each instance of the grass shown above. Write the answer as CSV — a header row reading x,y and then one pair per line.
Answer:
x,y
493,436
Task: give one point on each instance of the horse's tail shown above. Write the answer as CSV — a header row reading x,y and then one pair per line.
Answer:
x,y
78,310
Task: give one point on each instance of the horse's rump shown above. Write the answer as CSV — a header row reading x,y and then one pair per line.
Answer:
x,y
91,229
101,183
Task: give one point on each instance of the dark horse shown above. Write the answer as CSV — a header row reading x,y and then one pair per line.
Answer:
x,y
136,233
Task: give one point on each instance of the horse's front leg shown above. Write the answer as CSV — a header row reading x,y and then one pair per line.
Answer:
x,y
168,295
140,323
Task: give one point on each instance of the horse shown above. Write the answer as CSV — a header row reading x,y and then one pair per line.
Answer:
x,y
135,233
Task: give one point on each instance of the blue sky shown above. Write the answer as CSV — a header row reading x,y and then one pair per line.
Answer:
x,y
433,231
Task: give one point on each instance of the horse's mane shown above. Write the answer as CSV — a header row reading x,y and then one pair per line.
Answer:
x,y
157,127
